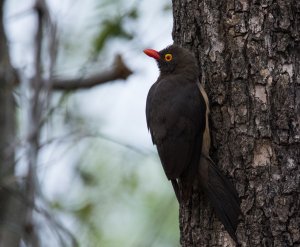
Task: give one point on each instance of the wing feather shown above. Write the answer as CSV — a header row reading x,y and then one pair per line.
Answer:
x,y
176,119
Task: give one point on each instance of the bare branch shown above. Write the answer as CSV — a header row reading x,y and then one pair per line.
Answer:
x,y
119,71
35,109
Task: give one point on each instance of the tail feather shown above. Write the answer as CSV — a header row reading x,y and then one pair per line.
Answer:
x,y
222,195
176,189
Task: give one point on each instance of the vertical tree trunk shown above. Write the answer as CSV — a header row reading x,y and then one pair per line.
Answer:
x,y
249,54
10,205
7,121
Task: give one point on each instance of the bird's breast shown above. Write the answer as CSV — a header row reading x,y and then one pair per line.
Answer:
x,y
173,103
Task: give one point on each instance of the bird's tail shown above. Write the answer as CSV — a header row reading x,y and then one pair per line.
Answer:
x,y
221,194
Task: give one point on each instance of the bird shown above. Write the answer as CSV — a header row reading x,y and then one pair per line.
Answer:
x,y
177,114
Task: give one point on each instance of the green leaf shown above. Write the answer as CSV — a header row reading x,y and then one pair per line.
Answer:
x,y
133,14
85,211
110,29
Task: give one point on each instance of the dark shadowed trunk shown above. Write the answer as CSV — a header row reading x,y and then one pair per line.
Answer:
x,y
10,213
249,53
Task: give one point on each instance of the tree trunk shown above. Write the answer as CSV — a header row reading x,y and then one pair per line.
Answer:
x,y
249,54
10,204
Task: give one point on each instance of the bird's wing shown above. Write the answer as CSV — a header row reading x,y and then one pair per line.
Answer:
x,y
178,148
176,122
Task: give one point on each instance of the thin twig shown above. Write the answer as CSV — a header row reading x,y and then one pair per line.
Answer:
x,y
34,117
136,149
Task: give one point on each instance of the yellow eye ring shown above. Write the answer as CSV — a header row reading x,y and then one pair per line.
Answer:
x,y
168,57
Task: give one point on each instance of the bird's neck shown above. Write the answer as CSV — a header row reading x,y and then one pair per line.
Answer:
x,y
186,74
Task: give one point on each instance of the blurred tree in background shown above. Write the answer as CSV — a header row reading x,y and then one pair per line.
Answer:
x,y
110,195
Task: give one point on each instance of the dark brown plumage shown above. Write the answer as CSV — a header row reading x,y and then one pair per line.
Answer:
x,y
173,114
177,116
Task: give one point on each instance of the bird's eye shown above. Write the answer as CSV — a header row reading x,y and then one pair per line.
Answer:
x,y
168,57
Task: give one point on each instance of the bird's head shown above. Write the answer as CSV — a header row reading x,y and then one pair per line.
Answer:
x,y
174,60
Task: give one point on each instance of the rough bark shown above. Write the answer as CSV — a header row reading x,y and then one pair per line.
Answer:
x,y
249,53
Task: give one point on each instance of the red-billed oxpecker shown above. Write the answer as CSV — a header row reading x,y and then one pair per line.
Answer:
x,y
177,116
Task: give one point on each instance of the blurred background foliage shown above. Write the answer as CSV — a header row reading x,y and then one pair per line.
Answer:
x,y
118,194
116,199
113,26
105,190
